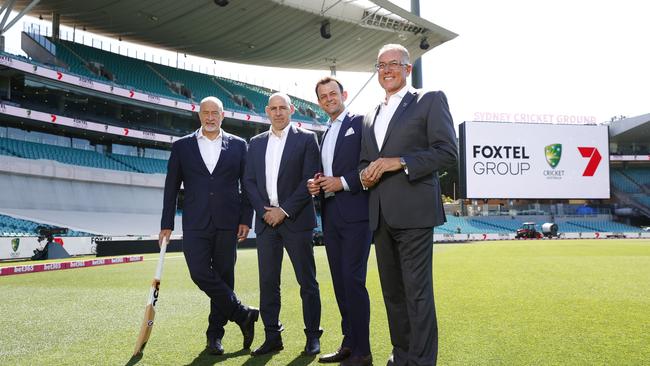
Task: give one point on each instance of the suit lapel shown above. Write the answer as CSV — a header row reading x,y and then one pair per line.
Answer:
x,y
345,124
261,172
223,155
322,140
194,147
370,132
289,145
408,98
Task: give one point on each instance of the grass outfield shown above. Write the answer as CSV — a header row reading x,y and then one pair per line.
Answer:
x,y
571,302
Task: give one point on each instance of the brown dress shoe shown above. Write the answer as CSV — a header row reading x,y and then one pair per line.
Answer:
x,y
341,354
357,361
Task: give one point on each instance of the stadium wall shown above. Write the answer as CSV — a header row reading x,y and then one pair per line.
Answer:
x,y
49,185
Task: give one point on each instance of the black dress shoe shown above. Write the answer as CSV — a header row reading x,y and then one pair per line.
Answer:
x,y
247,326
268,346
338,356
357,361
312,347
214,346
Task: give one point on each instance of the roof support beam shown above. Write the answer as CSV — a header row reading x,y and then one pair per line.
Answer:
x,y
7,8
27,9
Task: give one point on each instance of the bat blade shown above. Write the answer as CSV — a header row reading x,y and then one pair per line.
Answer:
x,y
147,322
150,309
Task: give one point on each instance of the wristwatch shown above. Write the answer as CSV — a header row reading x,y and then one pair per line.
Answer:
x,y
403,164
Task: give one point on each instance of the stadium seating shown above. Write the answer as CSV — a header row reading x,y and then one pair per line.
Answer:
x,y
488,224
66,155
142,165
624,182
11,226
93,159
595,225
640,176
126,71
155,78
200,85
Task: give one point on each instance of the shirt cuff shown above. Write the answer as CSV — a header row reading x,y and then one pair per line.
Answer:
x,y
346,187
285,212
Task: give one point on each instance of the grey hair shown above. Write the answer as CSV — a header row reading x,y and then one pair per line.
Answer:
x,y
214,100
281,95
406,57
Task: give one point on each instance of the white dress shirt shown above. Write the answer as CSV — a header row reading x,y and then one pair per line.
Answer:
x,y
210,149
329,145
386,110
273,156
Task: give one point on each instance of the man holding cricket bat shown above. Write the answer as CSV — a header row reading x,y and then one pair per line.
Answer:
x,y
216,215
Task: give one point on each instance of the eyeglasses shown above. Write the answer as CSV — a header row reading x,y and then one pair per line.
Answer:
x,y
393,65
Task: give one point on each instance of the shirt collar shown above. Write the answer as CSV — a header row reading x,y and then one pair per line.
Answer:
x,y
283,132
339,118
201,136
400,94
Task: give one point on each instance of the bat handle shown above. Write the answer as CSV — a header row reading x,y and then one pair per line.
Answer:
x,y
161,259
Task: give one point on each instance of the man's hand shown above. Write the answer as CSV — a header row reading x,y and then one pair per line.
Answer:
x,y
242,232
378,167
365,180
274,216
313,187
164,233
330,184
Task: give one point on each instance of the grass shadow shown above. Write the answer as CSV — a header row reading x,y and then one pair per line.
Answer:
x,y
206,358
302,360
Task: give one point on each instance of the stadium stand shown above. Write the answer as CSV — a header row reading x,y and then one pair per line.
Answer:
x,y
11,226
112,67
93,159
488,224
142,165
167,81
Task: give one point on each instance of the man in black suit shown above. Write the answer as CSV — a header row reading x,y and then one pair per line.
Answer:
x,y
407,140
346,235
216,215
280,161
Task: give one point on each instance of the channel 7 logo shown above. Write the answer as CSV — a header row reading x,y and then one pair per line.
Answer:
x,y
594,159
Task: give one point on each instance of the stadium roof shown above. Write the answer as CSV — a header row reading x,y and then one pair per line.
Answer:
x,y
633,129
281,33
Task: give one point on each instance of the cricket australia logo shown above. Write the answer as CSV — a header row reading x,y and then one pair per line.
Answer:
x,y
15,243
553,154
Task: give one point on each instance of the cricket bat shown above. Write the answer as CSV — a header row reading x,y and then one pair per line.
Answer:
x,y
150,309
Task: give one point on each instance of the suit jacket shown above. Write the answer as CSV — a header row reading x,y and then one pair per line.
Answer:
x,y
299,162
215,196
352,205
422,132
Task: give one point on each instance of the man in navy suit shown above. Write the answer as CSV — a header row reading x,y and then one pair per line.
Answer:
x,y
280,161
344,207
406,141
216,215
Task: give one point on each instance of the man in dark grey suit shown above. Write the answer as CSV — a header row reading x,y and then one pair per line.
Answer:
x,y
407,140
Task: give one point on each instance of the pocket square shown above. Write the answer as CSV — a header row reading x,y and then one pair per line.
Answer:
x,y
349,132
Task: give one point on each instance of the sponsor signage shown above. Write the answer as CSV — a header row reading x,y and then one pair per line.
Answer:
x,y
543,161
31,268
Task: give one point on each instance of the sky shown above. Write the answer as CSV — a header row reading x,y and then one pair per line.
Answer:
x,y
519,61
